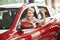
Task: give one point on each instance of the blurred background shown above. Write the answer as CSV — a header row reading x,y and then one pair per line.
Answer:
x,y
52,3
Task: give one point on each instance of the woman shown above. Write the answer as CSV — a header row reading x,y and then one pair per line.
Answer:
x,y
31,19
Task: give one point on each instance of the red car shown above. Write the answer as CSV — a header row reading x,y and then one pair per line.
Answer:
x,y
48,31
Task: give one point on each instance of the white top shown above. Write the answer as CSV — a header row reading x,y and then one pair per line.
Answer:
x,y
34,20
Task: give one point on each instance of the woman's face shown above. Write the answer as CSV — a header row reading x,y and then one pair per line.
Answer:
x,y
30,14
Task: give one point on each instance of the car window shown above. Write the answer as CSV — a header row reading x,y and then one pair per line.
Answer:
x,y
37,15
40,14
24,15
6,17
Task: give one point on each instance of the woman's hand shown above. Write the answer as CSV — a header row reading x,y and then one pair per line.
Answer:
x,y
43,14
43,10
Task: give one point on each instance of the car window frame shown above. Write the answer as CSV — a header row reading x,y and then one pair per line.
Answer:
x,y
9,14
21,15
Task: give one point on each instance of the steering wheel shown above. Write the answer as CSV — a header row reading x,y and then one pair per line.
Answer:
x,y
25,25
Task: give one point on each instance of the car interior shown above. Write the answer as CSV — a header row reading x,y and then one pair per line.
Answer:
x,y
7,17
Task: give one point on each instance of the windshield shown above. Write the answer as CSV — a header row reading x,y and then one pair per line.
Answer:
x,y
6,17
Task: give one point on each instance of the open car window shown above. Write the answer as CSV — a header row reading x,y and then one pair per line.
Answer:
x,y
7,16
37,15
24,15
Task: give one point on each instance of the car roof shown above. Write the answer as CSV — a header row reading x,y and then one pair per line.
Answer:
x,y
34,4
16,5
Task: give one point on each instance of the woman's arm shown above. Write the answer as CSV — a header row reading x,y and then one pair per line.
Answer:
x,y
43,14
